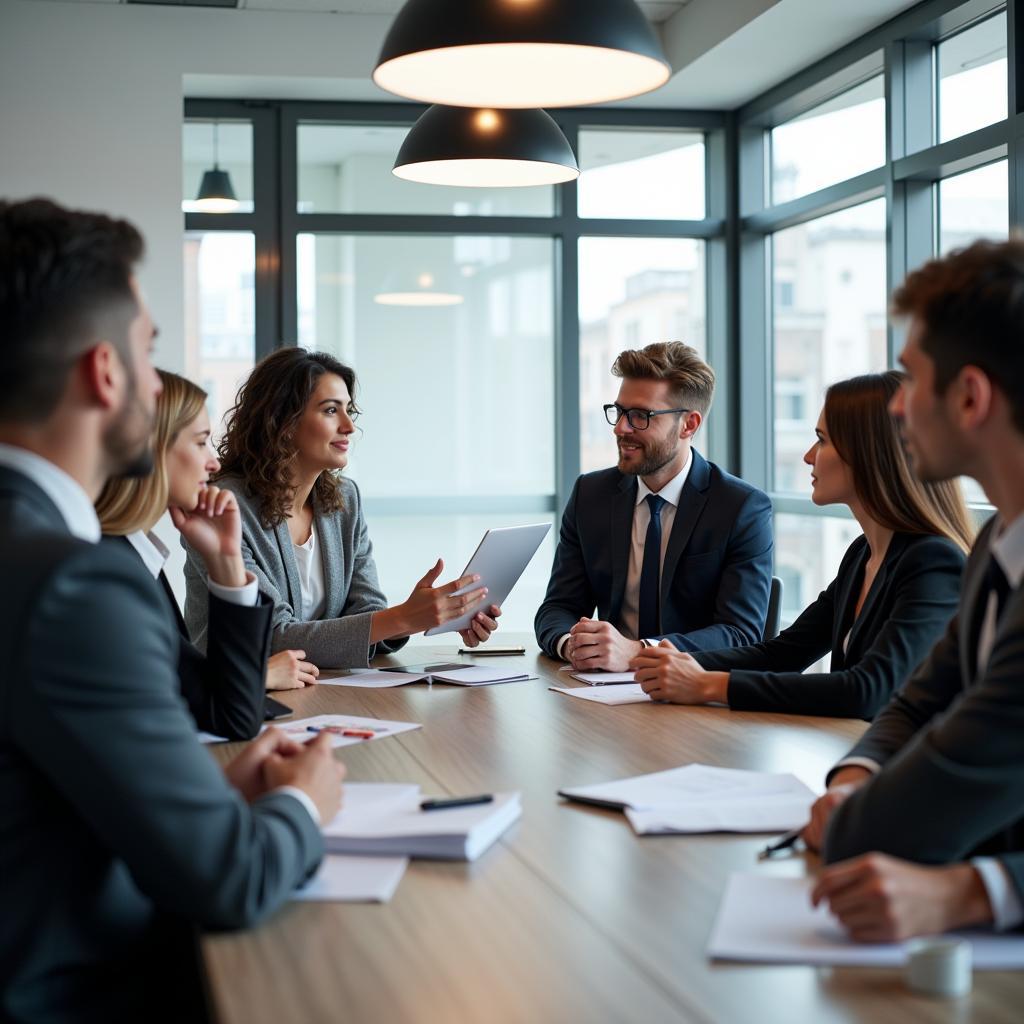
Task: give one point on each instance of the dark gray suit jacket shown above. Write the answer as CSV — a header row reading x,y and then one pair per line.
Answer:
x,y
717,569
118,832
341,637
951,746
910,602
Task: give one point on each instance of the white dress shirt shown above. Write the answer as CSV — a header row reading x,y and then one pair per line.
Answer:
x,y
311,577
1007,547
671,493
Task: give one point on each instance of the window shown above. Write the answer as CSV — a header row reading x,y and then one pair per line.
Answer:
x,y
974,205
641,174
633,291
834,328
219,315
833,141
971,72
347,169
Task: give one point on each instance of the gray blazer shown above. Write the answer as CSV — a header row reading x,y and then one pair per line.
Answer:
x,y
118,832
341,639
949,743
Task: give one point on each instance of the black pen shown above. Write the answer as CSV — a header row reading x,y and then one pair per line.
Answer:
x,y
782,843
441,803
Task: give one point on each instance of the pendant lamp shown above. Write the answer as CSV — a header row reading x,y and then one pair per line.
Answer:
x,y
215,192
485,149
520,53
415,289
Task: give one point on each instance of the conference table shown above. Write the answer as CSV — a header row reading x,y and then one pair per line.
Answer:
x,y
570,916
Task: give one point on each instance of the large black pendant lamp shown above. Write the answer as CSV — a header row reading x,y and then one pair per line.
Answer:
x,y
215,192
520,53
485,149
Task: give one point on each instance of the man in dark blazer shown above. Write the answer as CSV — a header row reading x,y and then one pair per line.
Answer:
x,y
665,545
938,779
119,832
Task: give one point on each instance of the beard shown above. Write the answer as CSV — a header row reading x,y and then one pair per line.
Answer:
x,y
128,440
654,456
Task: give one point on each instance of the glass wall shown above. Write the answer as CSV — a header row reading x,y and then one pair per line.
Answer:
x,y
971,70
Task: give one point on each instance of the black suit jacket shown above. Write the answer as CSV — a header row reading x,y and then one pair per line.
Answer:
x,y
225,687
717,569
911,600
951,747
118,832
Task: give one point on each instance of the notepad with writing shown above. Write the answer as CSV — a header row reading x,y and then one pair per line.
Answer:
x,y
702,798
387,820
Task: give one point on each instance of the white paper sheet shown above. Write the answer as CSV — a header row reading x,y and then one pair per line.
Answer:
x,y
621,693
767,919
753,814
374,679
478,675
689,784
344,879
599,678
306,728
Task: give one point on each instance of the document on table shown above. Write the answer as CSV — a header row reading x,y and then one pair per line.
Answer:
x,y
345,730
621,693
374,679
767,919
343,879
702,798
599,678
470,675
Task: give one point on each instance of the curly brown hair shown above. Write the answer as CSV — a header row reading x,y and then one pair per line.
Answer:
x,y
257,443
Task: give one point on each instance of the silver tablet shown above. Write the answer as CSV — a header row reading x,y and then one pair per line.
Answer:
x,y
499,561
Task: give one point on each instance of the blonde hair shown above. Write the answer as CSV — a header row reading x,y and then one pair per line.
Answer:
x,y
128,504
691,379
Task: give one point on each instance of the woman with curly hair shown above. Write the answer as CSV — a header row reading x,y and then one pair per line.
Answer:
x,y
896,590
303,532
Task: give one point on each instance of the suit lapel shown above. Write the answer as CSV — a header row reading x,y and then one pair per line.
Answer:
x,y
692,499
623,505
332,556
16,483
967,623
291,568
878,585
846,605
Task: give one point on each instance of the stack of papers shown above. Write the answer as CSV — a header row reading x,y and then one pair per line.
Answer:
x,y
599,678
700,798
345,730
459,675
620,693
386,819
768,919
353,880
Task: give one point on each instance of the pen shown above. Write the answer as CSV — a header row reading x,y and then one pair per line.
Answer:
x,y
440,803
338,730
784,842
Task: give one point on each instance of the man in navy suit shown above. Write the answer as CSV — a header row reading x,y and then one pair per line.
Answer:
x,y
665,545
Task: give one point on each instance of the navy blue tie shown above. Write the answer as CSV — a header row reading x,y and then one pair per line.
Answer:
x,y
650,574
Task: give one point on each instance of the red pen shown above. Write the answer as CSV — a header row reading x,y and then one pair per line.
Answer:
x,y
340,730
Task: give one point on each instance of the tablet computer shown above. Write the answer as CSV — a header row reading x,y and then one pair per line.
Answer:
x,y
499,561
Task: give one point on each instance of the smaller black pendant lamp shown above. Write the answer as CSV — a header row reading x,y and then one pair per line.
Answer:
x,y
215,192
467,146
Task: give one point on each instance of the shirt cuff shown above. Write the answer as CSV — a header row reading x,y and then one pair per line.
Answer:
x,y
560,646
304,798
1007,908
855,762
246,596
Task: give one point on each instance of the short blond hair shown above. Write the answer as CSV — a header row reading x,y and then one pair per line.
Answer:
x,y
692,380
129,504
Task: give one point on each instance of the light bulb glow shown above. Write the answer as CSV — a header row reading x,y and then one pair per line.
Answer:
x,y
417,299
476,173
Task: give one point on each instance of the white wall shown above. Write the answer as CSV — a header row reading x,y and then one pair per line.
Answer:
x,y
91,107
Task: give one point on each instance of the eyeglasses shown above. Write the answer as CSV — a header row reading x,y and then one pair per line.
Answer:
x,y
638,419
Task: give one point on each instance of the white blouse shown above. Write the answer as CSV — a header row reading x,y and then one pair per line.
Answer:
x,y
311,577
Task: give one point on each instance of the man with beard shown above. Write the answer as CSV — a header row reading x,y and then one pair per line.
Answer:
x,y
118,832
666,546
925,816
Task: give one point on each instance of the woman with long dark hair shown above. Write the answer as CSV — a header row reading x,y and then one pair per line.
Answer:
x,y
303,532
896,589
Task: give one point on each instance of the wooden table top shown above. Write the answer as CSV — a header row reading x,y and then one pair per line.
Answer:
x,y
570,917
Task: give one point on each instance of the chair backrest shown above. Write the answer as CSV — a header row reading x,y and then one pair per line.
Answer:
x,y
771,625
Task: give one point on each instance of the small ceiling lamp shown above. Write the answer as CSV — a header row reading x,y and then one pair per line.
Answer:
x,y
485,149
215,192
418,289
520,53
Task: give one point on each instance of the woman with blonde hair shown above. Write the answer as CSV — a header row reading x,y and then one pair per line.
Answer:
x,y
896,589
225,687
